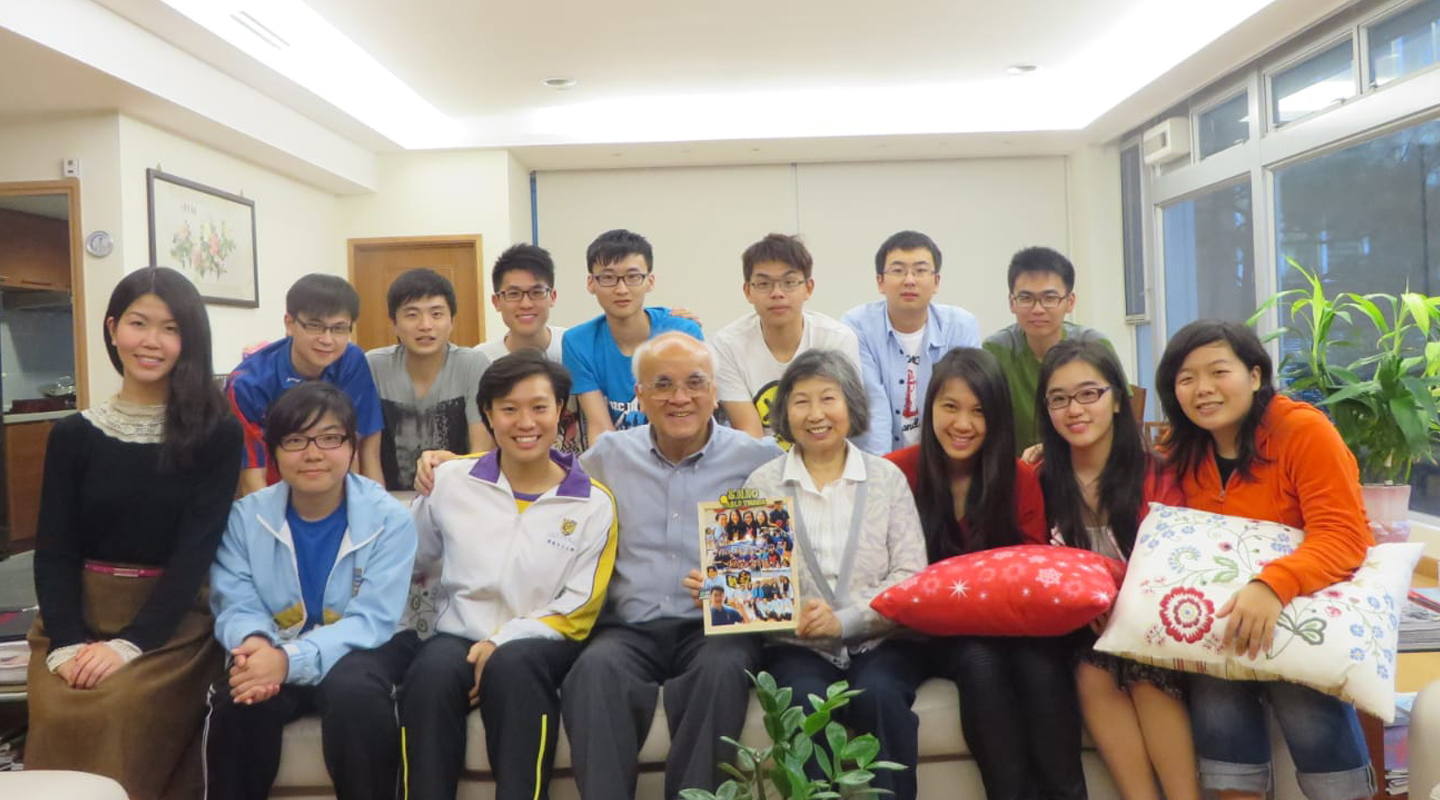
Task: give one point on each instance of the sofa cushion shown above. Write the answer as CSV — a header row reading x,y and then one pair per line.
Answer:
x,y
1023,590
937,703
1186,565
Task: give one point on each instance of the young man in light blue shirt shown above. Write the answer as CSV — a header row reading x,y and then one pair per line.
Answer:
x,y
902,336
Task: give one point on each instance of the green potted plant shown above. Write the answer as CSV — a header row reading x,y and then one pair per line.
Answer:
x,y
1385,403
847,764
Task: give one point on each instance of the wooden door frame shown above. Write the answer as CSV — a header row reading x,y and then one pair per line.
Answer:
x,y
70,188
354,246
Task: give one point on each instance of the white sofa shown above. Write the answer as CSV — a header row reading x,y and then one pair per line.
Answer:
x,y
946,769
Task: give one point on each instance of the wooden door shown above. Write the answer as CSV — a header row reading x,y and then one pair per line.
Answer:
x,y
375,263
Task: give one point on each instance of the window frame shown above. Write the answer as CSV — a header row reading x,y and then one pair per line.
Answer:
x,y
1369,113
1322,46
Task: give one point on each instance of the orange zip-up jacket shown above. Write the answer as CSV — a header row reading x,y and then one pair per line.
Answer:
x,y
1308,479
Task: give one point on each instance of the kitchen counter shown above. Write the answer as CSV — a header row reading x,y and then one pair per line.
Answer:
x,y
39,416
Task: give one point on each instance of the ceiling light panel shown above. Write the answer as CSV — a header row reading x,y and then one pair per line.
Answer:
x,y
290,38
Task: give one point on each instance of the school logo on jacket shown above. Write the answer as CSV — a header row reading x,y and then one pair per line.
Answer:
x,y
567,526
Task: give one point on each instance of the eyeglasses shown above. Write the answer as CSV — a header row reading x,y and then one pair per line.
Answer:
x,y
536,293
1085,397
1047,300
664,388
899,273
316,327
325,441
763,286
609,279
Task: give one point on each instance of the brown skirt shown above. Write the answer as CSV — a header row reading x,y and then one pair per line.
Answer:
x,y
141,725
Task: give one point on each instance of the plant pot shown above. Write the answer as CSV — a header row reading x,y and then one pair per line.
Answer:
x,y
1388,507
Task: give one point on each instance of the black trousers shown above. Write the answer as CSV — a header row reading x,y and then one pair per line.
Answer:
x,y
609,702
519,704
359,734
1019,713
888,676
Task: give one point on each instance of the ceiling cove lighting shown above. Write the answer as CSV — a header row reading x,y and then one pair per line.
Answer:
x,y
1068,94
290,38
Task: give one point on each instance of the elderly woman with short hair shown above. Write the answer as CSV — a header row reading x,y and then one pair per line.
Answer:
x,y
858,533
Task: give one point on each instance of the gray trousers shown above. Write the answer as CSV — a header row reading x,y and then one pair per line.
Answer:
x,y
608,702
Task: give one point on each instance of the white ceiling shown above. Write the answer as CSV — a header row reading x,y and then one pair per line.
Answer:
x,y
738,82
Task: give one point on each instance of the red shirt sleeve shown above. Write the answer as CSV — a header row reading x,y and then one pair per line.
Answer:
x,y
1030,505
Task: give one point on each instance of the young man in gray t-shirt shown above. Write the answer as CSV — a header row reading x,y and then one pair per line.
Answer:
x,y
426,384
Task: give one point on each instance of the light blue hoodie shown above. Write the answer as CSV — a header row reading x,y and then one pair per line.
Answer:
x,y
255,581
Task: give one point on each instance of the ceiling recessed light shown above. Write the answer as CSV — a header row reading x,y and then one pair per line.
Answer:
x,y
559,83
1020,69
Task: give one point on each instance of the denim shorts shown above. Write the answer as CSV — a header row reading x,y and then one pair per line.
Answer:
x,y
1232,738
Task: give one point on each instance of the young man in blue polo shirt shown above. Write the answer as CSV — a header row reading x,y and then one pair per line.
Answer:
x,y
320,314
902,336
597,352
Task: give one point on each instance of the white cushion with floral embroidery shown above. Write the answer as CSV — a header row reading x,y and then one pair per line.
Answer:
x,y
1187,563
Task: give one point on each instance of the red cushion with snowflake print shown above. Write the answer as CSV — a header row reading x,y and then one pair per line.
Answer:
x,y
1025,590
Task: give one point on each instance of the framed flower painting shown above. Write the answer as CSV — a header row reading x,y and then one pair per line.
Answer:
x,y
207,234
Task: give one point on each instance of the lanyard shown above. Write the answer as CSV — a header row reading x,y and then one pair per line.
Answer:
x,y
847,559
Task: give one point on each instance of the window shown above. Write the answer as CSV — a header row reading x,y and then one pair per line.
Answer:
x,y
1314,84
1209,257
1225,125
1132,220
1404,43
1386,242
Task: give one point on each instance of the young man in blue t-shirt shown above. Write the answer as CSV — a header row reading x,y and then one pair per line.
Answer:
x,y
320,313
597,352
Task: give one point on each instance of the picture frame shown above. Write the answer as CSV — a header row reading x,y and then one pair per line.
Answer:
x,y
208,235
747,564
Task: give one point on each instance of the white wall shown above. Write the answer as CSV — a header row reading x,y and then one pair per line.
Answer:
x,y
1097,245
699,220
440,193
32,151
297,228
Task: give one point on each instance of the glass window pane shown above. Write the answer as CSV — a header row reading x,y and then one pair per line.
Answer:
x,y
1209,258
1131,220
1367,219
1312,85
1225,125
1404,43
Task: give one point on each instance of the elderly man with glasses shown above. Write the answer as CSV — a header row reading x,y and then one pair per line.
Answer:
x,y
651,632
1042,292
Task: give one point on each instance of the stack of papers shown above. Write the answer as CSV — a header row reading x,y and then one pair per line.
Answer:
x,y
1420,623
14,659
14,650
12,745
1397,746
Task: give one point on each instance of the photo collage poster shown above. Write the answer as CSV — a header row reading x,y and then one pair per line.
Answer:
x,y
747,557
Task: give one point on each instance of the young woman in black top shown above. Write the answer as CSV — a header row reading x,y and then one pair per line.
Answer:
x,y
135,497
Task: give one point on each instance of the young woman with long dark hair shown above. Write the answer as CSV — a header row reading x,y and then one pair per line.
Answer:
x,y
1099,477
134,502
1017,698
1240,448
